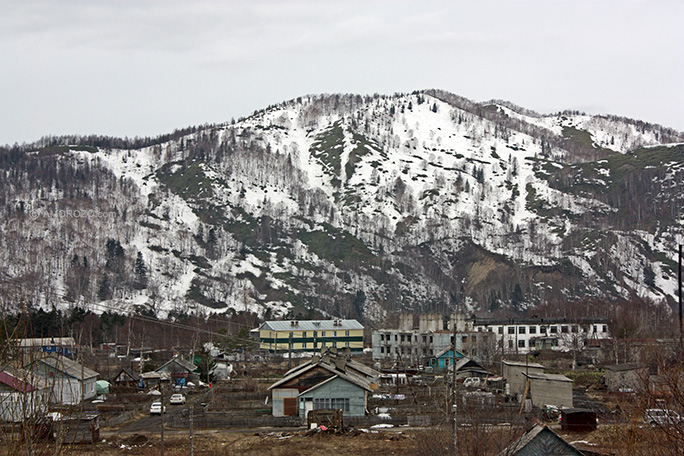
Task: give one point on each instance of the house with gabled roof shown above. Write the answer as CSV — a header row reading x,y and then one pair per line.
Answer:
x,y
22,395
331,380
178,370
126,377
540,440
444,359
69,382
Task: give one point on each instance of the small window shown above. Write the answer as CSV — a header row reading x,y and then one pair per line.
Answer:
x,y
533,330
564,329
521,343
346,333
573,328
346,344
315,334
334,333
521,330
605,328
511,330
464,339
500,330
542,329
382,349
553,329
323,334
303,333
303,344
532,343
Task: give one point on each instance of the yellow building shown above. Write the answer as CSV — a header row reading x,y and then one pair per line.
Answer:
x,y
310,335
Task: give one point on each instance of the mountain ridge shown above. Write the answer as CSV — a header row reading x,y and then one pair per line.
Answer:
x,y
352,206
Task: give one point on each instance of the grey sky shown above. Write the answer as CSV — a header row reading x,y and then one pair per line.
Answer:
x,y
142,68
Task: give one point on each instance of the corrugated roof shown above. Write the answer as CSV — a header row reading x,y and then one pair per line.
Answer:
x,y
69,367
522,364
555,377
311,325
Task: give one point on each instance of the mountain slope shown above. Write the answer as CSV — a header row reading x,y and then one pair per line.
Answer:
x,y
349,206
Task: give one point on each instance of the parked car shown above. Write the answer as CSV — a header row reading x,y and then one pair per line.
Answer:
x,y
662,417
472,382
177,399
156,408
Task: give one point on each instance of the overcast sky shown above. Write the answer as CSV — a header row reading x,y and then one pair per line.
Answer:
x,y
143,68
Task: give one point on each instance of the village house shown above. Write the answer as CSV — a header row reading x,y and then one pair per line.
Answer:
x,y
65,346
22,395
126,377
69,382
540,440
292,336
178,371
442,360
329,381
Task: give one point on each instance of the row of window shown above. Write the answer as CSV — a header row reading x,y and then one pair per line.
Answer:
x,y
323,344
564,329
404,338
331,403
522,343
323,334
405,351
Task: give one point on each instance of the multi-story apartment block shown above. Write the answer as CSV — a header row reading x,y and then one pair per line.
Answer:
x,y
310,335
523,335
417,346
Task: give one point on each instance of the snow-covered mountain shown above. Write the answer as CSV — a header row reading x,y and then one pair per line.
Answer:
x,y
353,206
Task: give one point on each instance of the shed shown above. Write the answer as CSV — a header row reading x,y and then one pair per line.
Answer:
x,y
550,389
540,440
625,377
578,420
513,372
81,429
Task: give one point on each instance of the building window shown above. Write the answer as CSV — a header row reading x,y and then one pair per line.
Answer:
x,y
521,330
500,330
605,328
303,333
395,337
334,403
382,349
424,339
532,343
334,333
573,328
533,330
323,334
564,329
553,329
346,333
511,330
542,329
402,338
430,339
323,344
464,339
521,343
303,344
346,344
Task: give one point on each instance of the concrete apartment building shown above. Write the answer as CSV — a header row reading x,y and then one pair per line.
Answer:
x,y
524,335
415,346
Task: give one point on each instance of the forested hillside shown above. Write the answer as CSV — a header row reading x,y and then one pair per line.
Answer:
x,y
347,205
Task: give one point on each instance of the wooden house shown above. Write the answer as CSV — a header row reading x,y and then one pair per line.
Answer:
x,y
329,381
22,395
540,440
69,382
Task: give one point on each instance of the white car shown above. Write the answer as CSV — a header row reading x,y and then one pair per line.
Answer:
x,y
177,399
156,408
662,417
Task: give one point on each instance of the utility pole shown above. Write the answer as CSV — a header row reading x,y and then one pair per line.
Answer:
x,y
192,450
681,334
161,390
454,449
